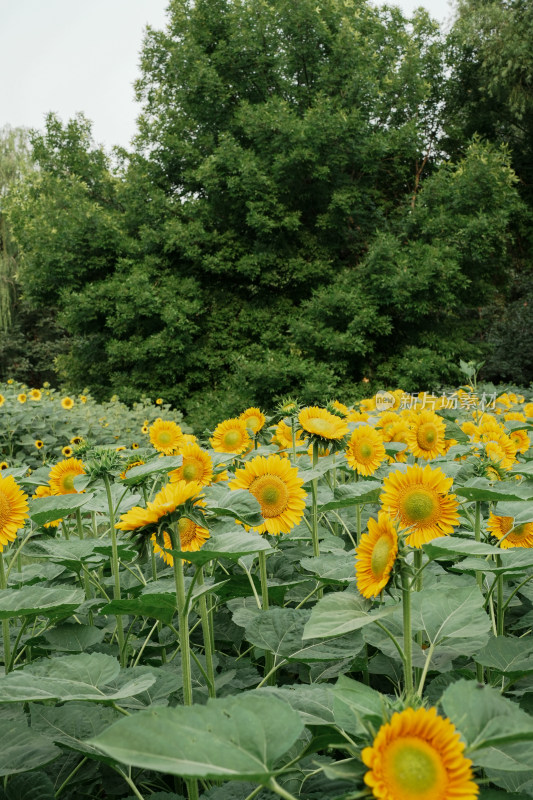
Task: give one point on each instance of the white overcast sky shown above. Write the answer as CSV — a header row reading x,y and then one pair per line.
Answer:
x,y
83,55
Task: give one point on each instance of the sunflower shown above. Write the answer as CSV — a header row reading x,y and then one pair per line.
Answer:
x,y
322,423
426,436
35,394
67,402
13,510
22,397
365,450
192,537
387,421
520,440
2,399
67,451
418,755
514,415
166,437
469,428
502,451
45,491
340,407
165,502
197,466
62,476
159,401
254,419
376,555
356,416
231,436
283,436
76,440
399,434
83,398
528,410
38,444
4,465
278,489
419,499
130,466
521,536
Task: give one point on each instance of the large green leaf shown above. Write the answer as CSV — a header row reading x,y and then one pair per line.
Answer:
x,y
22,749
48,509
341,612
239,504
154,467
354,494
29,785
314,702
232,545
96,677
456,613
280,630
355,704
482,489
32,601
72,724
514,657
338,566
239,738
157,606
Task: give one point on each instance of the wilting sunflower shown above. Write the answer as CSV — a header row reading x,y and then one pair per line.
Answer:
x,y
39,444
36,394
254,419
192,537
197,466
45,491
426,435
418,498
165,502
376,555
278,489
166,437
67,402
231,436
418,755
521,536
320,422
365,450
13,510
62,476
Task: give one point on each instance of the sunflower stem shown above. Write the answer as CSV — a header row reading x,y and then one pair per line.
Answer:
x,y
206,630
279,790
269,658
500,617
183,618
5,622
358,522
417,581
407,634
64,528
293,428
115,568
314,494
479,574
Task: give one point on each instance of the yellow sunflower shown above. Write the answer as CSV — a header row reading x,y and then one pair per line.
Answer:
x,y
418,498
278,489
197,466
283,436
13,510
231,436
254,419
39,444
399,434
340,407
426,436
145,429
62,476
418,755
356,416
67,451
528,410
387,421
67,402
502,451
375,555
365,450
2,399
192,537
159,401
320,422
45,491
521,536
35,394
22,397
83,398
165,502
166,437
4,465
76,440
130,466
520,440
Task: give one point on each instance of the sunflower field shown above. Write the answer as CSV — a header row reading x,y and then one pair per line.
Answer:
x,y
322,603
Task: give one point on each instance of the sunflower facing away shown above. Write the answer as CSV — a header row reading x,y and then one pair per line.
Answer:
x,y
365,450
521,535
62,476
376,555
231,436
13,510
418,755
426,435
254,419
322,423
418,498
278,489
166,436
197,466
192,537
165,502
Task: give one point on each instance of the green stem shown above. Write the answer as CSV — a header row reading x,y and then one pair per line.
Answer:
x,y
429,656
269,658
115,569
279,790
358,522
293,428
500,618
69,777
314,512
417,581
79,523
183,618
5,622
407,634
479,574
206,630
65,529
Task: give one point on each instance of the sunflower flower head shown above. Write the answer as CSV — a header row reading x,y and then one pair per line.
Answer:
x,y
321,426
365,450
166,436
426,435
62,476
197,466
509,534
173,499
13,510
254,419
231,436
67,403
376,555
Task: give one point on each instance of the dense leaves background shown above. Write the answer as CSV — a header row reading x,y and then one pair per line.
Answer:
x,y
316,194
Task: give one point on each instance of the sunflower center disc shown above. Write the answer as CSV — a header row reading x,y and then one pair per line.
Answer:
x,y
164,437
418,506
426,436
186,528
190,471
253,423
5,509
519,532
232,438
365,450
414,770
320,426
68,482
380,556
272,494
